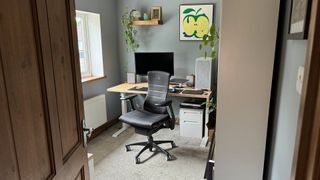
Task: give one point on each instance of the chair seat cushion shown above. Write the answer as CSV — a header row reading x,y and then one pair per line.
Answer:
x,y
144,119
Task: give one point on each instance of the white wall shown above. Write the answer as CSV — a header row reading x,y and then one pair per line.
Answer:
x,y
247,49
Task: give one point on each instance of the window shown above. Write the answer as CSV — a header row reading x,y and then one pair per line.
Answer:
x,y
83,44
89,43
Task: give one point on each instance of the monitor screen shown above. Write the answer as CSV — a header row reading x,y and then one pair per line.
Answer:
x,y
146,62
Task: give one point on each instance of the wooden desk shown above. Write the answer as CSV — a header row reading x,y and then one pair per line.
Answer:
x,y
123,89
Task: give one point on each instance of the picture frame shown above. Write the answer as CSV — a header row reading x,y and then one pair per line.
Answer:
x,y
156,13
195,21
299,19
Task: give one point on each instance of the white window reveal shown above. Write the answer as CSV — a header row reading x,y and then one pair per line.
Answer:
x,y
89,43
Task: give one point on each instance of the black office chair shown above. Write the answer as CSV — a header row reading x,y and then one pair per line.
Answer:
x,y
154,115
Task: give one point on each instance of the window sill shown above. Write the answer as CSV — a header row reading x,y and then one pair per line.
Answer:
x,y
92,78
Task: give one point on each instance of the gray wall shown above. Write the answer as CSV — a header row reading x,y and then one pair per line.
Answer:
x,y
247,48
164,38
109,34
287,110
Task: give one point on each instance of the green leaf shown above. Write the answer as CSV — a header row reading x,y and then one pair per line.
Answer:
x,y
213,55
212,44
205,54
204,38
189,10
211,38
212,30
200,46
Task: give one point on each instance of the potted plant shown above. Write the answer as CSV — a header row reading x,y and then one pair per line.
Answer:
x,y
129,33
207,47
211,105
209,42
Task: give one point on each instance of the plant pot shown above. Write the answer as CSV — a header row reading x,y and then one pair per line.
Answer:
x,y
203,73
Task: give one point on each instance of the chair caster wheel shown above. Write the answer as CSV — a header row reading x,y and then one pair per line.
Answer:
x,y
138,161
169,158
174,145
128,148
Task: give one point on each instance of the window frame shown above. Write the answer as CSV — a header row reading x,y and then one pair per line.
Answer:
x,y
86,43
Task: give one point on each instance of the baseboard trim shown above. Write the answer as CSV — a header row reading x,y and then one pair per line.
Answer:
x,y
96,132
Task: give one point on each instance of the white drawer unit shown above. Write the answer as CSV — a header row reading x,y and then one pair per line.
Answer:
x,y
191,122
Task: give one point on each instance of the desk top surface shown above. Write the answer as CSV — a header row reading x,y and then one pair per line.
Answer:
x,y
124,88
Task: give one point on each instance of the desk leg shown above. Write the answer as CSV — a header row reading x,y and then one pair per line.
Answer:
x,y
124,109
204,141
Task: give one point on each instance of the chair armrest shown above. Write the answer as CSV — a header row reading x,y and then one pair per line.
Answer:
x,y
164,103
168,103
129,97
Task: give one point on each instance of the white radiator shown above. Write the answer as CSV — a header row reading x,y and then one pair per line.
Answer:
x,y
95,111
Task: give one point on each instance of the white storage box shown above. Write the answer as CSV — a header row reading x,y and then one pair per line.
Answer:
x,y
191,122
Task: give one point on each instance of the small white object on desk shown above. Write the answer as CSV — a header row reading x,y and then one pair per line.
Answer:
x,y
191,79
131,78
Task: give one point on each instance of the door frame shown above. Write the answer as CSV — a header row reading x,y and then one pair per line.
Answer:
x,y
306,160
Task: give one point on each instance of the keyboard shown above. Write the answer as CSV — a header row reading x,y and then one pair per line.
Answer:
x,y
139,89
146,89
175,91
176,81
197,92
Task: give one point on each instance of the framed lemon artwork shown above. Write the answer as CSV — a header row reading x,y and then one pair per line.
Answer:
x,y
195,21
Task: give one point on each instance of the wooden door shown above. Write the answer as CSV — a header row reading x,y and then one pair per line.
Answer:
x,y
41,108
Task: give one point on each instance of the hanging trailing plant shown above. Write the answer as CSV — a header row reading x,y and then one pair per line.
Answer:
x,y
209,42
129,31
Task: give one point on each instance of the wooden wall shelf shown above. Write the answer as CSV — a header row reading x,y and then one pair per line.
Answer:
x,y
146,22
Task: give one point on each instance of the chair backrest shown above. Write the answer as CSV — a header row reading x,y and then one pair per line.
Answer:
x,y
158,87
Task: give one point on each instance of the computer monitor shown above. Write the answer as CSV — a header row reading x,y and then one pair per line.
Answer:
x,y
154,61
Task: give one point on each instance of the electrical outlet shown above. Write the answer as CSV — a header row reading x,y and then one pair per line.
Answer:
x,y
299,82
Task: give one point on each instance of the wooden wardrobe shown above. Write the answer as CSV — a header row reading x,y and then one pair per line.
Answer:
x,y
41,106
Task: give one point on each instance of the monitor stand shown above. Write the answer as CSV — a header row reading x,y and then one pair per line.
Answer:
x,y
178,85
178,81
142,78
